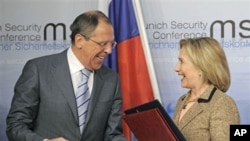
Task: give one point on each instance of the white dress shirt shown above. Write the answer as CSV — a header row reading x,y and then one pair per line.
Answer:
x,y
75,67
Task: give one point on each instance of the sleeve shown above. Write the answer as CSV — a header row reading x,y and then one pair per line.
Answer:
x,y
114,128
24,106
224,114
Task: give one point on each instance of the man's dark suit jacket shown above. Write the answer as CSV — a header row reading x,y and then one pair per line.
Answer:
x,y
44,104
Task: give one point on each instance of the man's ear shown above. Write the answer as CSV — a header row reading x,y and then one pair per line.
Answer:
x,y
79,41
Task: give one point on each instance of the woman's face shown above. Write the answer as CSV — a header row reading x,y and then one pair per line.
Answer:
x,y
191,77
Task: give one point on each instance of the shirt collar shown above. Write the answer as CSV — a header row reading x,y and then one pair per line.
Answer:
x,y
74,64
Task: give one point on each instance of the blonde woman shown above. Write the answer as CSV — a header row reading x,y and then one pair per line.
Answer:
x,y
206,112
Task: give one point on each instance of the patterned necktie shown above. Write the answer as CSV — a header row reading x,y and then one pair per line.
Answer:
x,y
83,98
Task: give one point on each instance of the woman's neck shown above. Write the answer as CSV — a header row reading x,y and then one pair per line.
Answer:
x,y
197,92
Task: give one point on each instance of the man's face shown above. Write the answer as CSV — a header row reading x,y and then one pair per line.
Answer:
x,y
95,49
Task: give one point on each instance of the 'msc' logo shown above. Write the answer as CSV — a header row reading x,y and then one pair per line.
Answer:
x,y
54,30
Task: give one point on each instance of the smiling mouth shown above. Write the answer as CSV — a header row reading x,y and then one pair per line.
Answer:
x,y
101,58
182,77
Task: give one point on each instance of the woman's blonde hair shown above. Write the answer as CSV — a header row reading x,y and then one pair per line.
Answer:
x,y
207,55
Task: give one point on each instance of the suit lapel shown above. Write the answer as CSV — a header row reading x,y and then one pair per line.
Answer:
x,y
190,115
60,71
196,108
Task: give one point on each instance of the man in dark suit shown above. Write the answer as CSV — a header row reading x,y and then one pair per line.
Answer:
x,y
44,105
